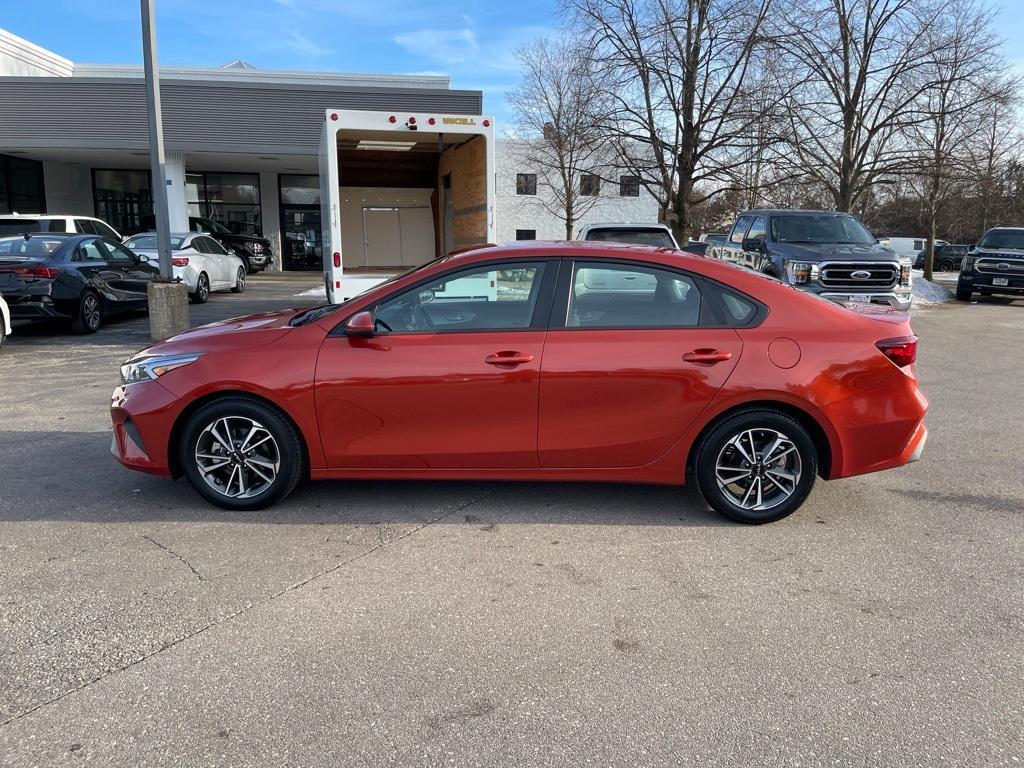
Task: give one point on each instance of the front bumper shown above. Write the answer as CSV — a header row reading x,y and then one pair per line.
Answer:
x,y
143,415
899,299
977,281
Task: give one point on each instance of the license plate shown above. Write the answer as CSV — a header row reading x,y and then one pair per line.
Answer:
x,y
1000,281
860,298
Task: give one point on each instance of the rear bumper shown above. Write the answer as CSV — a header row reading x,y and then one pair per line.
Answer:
x,y
879,429
34,308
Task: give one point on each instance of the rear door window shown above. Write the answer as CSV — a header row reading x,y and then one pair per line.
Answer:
x,y
91,250
626,296
85,226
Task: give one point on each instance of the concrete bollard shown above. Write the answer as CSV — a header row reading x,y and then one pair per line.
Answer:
x,y
168,309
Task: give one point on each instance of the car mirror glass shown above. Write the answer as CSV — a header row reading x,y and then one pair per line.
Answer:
x,y
425,296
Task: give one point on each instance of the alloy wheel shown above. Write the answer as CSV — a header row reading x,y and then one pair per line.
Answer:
x,y
758,469
237,456
91,312
240,283
203,289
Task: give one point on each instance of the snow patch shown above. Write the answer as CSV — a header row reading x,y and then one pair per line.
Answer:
x,y
927,293
320,292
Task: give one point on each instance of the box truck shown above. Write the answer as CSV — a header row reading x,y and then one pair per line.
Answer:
x,y
399,189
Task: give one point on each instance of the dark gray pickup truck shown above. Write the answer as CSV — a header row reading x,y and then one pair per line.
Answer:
x,y
824,252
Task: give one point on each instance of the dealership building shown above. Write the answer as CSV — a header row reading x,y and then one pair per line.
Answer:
x,y
242,148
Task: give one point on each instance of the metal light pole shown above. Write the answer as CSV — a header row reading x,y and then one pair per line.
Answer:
x,y
168,302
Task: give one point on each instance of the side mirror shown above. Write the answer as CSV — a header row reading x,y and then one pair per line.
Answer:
x,y
143,258
751,244
425,296
360,325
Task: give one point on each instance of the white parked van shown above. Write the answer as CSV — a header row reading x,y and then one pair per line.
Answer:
x,y
20,223
907,247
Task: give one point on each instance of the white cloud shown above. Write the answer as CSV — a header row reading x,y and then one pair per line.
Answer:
x,y
449,46
299,43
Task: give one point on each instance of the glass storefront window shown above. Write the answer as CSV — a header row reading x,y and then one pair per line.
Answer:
x,y
300,190
124,199
231,199
300,221
21,185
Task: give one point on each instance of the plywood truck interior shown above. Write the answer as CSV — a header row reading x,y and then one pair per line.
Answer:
x,y
406,198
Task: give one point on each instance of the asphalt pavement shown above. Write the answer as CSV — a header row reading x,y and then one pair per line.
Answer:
x,y
487,624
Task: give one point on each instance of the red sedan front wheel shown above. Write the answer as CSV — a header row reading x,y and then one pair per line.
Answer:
x,y
756,466
241,453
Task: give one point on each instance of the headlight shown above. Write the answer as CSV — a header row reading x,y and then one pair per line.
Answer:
x,y
967,265
152,368
905,265
801,272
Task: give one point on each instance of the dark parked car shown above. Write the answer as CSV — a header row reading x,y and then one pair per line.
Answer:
x,y
824,252
994,266
254,251
80,278
946,258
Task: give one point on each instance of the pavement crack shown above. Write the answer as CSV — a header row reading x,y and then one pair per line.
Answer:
x,y
171,552
382,543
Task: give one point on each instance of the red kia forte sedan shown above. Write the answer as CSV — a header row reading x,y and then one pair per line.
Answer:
x,y
539,361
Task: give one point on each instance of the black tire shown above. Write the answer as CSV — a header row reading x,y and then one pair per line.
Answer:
x,y
946,266
240,411
800,463
202,292
963,294
89,315
239,281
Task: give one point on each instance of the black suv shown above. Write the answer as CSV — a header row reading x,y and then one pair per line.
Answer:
x,y
994,266
946,258
253,250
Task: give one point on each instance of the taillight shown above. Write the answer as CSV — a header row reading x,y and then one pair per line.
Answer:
x,y
37,273
902,350
180,261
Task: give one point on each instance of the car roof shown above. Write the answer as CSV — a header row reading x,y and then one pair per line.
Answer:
x,y
575,248
152,233
39,216
624,224
792,212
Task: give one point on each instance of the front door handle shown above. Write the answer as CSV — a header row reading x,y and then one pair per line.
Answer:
x,y
707,356
508,358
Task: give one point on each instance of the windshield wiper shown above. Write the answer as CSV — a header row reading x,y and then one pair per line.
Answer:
x,y
311,315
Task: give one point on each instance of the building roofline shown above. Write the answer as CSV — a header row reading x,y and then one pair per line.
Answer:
x,y
265,76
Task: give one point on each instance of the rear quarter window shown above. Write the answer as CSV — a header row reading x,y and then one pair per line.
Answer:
x,y
18,226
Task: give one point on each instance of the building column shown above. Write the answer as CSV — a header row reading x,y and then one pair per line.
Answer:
x,y
177,203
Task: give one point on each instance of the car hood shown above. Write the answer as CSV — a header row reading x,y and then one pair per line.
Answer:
x,y
835,252
247,332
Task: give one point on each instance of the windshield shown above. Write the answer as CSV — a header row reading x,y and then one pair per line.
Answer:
x,y
820,229
209,225
656,237
148,243
1003,238
20,247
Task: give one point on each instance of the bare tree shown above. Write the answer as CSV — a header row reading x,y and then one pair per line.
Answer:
x,y
672,92
856,74
559,139
992,150
961,70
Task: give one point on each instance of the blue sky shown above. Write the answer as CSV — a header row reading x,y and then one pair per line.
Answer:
x,y
472,41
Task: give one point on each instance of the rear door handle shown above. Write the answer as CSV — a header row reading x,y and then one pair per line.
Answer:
x,y
508,358
707,356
